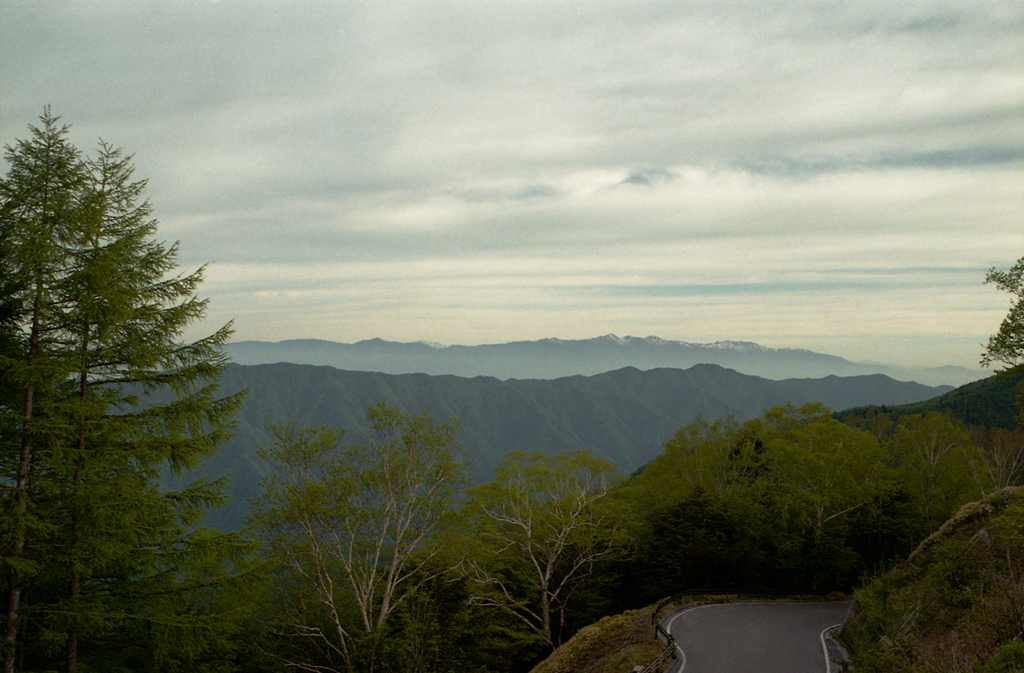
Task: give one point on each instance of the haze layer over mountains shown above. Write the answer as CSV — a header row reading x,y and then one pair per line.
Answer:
x,y
554,358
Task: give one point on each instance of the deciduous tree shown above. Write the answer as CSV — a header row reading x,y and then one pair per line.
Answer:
x,y
937,461
1007,345
827,468
355,526
545,520
715,457
1000,455
823,471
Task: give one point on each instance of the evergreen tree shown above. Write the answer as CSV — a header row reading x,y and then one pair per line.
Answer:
x,y
37,211
112,399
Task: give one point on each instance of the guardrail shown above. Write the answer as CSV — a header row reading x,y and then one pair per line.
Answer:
x,y
652,667
661,634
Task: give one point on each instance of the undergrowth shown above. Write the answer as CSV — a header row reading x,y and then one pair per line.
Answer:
x,y
957,605
615,644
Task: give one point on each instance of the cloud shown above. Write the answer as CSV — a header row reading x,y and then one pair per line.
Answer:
x,y
648,176
462,171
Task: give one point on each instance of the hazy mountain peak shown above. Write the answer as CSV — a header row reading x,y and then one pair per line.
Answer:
x,y
740,346
552,358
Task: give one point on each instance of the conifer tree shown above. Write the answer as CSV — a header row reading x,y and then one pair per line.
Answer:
x,y
98,326
37,209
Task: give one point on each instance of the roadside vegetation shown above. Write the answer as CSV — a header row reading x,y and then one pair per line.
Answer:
x,y
957,604
612,644
368,551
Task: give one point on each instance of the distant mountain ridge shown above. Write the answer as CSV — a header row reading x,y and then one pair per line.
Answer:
x,y
624,415
555,358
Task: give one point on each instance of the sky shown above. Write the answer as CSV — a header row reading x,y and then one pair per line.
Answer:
x,y
835,175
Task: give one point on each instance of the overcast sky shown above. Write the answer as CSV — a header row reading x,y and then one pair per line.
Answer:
x,y
832,175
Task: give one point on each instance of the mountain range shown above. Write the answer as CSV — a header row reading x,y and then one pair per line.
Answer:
x,y
624,415
555,358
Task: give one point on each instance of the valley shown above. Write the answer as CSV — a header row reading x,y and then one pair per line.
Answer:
x,y
624,416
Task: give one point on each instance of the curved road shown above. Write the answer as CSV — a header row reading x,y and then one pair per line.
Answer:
x,y
754,637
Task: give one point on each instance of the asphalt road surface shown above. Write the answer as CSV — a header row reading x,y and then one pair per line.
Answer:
x,y
754,637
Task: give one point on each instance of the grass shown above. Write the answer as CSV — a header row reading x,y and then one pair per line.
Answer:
x,y
615,644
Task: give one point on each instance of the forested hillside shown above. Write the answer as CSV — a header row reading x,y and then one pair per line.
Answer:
x,y
957,604
623,416
992,402
424,523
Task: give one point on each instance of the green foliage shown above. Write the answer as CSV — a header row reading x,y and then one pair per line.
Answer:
x,y
956,605
356,530
1009,659
1007,345
991,403
541,527
793,500
703,541
885,530
719,458
825,469
623,416
937,460
100,563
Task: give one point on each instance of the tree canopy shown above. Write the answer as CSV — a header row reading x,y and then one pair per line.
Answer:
x,y
543,522
355,526
1006,346
108,397
371,558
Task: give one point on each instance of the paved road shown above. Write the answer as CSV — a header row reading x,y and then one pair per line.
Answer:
x,y
754,637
